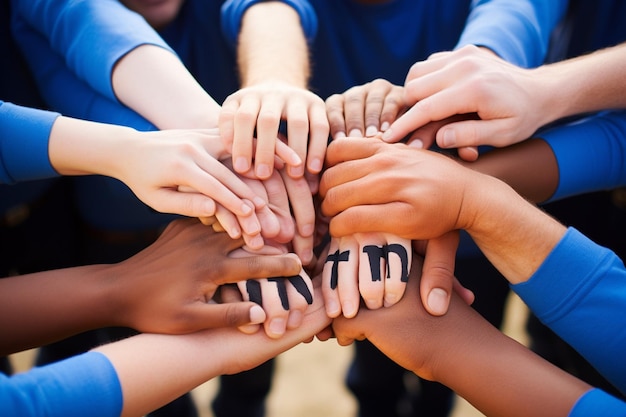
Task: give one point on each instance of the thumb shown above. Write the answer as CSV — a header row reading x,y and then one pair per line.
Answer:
x,y
347,330
469,133
191,204
206,316
438,273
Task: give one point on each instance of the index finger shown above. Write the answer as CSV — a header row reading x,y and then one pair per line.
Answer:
x,y
259,266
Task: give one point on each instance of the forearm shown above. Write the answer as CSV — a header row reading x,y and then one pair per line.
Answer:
x,y
73,28
513,234
499,376
79,147
529,167
584,84
267,54
183,362
44,307
169,97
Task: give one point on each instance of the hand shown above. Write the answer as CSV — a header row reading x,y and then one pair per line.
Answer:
x,y
149,299
371,266
283,298
470,80
400,332
262,107
158,165
364,110
425,136
288,203
370,184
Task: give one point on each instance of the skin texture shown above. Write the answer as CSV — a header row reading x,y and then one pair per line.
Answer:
x,y
183,363
365,110
351,274
499,376
138,292
274,90
155,165
511,102
435,195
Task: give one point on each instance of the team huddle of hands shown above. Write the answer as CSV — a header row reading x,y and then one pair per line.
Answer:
x,y
270,204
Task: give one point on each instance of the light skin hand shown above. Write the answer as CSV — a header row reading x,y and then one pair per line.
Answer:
x,y
364,110
262,107
287,217
436,195
155,165
371,266
470,80
358,197
283,298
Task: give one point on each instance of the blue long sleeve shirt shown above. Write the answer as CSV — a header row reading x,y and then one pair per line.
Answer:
x,y
352,44
24,135
63,62
84,385
579,292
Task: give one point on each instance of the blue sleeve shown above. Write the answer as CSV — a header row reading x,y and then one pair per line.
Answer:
x,y
590,153
85,385
597,403
64,92
233,11
580,293
91,35
24,136
516,30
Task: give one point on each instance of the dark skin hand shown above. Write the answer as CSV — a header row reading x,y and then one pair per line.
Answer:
x,y
166,288
462,350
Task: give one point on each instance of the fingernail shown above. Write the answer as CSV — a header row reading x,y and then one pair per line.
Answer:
x,y
263,171
332,308
349,310
438,301
390,300
316,165
307,230
295,319
241,164
371,131
246,209
384,126
356,133
387,134
257,315
277,326
449,138
417,143
296,171
340,135
256,242
259,202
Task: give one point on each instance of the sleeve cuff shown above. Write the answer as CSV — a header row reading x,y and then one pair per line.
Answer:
x,y
233,11
590,153
24,137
